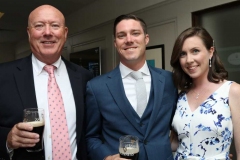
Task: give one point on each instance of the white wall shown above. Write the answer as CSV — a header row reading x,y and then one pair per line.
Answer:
x,y
104,10
92,26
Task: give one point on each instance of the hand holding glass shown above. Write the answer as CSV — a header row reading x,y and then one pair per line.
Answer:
x,y
128,147
35,117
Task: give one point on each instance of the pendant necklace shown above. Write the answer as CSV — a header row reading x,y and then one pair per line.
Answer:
x,y
197,94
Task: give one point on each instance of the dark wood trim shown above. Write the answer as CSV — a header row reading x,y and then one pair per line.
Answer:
x,y
163,52
197,15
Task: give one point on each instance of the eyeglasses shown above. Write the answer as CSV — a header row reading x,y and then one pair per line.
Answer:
x,y
43,26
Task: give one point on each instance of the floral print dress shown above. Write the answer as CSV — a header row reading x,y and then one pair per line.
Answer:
x,y
207,132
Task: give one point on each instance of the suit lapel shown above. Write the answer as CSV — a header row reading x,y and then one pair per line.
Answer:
x,y
25,83
77,89
158,82
115,86
76,81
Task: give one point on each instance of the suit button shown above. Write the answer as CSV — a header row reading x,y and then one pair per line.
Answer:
x,y
141,124
145,142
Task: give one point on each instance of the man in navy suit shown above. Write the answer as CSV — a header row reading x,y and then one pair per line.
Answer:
x,y
111,100
23,84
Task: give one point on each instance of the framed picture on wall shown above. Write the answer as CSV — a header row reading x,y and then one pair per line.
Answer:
x,y
89,59
155,56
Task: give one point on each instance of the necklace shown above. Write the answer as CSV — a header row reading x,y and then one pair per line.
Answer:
x,y
197,94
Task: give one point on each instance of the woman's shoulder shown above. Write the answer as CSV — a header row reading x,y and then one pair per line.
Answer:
x,y
234,102
234,91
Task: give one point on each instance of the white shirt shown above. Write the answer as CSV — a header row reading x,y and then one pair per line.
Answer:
x,y
41,82
129,83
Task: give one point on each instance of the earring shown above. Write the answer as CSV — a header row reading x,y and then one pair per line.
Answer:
x,y
210,62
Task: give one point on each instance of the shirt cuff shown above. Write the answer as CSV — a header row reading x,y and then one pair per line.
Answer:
x,y
9,151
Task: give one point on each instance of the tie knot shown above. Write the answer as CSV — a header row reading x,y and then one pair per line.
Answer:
x,y
49,69
136,75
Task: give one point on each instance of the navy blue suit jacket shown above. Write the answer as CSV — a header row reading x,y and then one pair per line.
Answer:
x,y
17,92
110,115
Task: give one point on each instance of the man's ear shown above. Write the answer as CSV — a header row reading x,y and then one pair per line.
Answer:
x,y
115,43
146,39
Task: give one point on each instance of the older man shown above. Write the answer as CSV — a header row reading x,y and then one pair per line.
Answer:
x,y
24,84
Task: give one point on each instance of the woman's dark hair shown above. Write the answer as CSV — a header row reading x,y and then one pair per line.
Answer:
x,y
126,17
216,73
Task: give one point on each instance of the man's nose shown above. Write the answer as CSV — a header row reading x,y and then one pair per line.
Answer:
x,y
47,29
129,38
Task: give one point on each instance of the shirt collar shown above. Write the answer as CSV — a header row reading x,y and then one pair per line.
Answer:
x,y
125,71
38,65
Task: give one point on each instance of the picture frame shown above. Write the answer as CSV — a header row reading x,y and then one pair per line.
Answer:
x,y
89,59
155,56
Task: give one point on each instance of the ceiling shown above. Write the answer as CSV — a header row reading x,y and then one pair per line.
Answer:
x,y
13,23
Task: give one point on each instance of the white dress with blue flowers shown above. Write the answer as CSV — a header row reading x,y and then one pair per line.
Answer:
x,y
207,132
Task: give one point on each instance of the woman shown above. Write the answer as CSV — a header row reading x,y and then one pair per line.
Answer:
x,y
208,106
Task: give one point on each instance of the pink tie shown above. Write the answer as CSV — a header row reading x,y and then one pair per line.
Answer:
x,y
60,137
